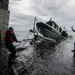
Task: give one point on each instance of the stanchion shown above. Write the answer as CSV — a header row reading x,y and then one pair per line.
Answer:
x,y
74,49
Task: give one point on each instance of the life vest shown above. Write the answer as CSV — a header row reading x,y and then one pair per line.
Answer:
x,y
9,36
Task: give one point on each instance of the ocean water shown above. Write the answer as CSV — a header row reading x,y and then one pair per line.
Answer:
x,y
71,33
56,61
21,35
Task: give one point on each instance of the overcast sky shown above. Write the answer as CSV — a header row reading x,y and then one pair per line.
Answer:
x,y
22,12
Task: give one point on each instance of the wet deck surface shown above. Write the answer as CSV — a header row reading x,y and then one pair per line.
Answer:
x,y
57,60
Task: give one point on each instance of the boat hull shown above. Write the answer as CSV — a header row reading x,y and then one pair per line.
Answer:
x,y
47,31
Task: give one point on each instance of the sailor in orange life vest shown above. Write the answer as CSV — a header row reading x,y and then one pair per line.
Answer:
x,y
10,37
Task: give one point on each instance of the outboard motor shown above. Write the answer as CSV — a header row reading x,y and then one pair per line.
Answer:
x,y
64,34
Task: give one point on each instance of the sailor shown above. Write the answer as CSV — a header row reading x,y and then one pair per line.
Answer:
x,y
60,29
10,37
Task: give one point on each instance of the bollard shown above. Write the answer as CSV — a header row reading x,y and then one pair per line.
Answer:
x,y
74,49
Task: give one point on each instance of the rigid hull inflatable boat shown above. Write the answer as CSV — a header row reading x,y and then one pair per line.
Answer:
x,y
51,30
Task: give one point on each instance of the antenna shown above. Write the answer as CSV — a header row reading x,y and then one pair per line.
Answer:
x,y
51,19
34,23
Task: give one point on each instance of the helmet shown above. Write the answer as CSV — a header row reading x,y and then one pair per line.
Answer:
x,y
11,28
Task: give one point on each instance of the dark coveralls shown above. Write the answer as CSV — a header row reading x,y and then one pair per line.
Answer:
x,y
9,39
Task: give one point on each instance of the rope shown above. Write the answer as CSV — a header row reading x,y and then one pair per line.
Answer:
x,y
27,36
24,39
